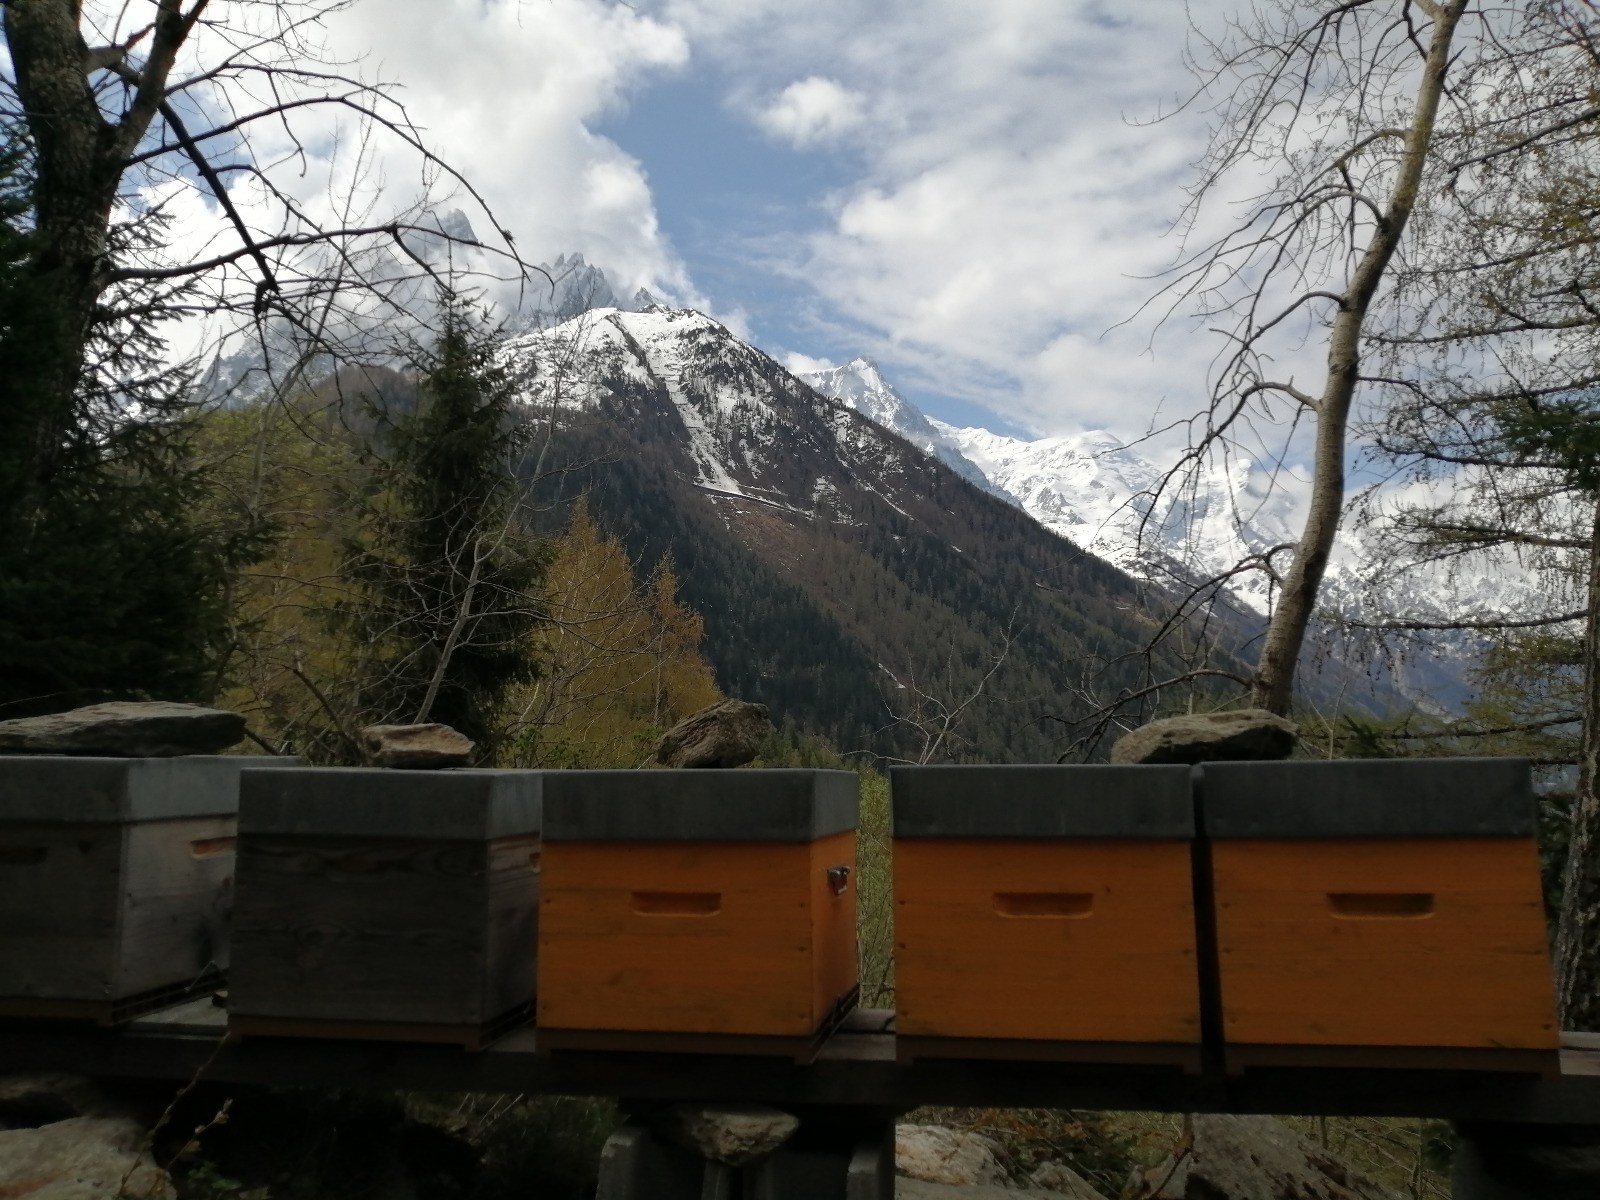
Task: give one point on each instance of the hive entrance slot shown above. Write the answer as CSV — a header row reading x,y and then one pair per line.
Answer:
x,y
1044,904
211,847
677,904
1381,906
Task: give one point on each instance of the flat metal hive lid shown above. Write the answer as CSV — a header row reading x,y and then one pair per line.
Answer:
x,y
1042,801
738,805
72,789
468,804
1435,797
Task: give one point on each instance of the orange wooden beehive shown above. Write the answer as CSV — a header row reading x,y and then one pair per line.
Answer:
x,y
1045,911
1379,912
697,910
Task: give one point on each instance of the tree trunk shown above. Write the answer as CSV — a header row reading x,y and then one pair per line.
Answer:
x,y
78,164
1577,951
1273,685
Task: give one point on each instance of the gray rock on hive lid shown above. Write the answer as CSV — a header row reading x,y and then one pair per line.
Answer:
x,y
125,729
426,747
1369,797
1246,733
725,734
1090,801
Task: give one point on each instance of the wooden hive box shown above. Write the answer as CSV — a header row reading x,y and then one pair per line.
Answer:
x,y
697,910
1379,912
116,881
396,905
1045,912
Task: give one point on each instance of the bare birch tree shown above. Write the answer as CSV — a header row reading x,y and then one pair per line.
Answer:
x,y
1329,110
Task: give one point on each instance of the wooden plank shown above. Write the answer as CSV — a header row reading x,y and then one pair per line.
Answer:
x,y
1300,969
856,1067
1185,1057
469,1037
1378,1058
1112,961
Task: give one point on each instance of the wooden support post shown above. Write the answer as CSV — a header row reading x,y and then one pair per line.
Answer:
x,y
635,1166
1502,1161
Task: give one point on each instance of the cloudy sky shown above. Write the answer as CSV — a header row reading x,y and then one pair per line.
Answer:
x,y
965,192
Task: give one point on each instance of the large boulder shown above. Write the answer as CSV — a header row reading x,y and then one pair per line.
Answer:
x,y
935,1154
727,734
1253,1158
427,747
1244,734
734,1134
125,729
80,1158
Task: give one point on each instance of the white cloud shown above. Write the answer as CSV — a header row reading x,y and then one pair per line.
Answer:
x,y
507,93
804,364
812,111
1007,213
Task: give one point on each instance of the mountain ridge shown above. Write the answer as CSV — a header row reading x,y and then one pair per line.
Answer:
x,y
861,587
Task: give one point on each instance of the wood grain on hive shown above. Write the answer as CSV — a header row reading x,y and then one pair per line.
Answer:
x,y
395,905
1383,904
697,909
1045,911
116,881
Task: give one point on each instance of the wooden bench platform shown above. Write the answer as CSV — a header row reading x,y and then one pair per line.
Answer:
x,y
857,1067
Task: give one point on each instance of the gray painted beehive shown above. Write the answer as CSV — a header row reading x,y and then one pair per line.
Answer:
x,y
1378,903
116,880
1051,907
709,905
386,904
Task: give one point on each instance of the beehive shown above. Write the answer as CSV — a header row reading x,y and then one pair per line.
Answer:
x,y
1379,911
116,881
1045,911
398,905
697,909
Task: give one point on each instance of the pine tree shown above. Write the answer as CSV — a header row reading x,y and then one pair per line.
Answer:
x,y
446,568
109,584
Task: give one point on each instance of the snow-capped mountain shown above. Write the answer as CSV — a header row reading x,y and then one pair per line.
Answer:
x,y
1095,490
860,386
836,565
577,287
